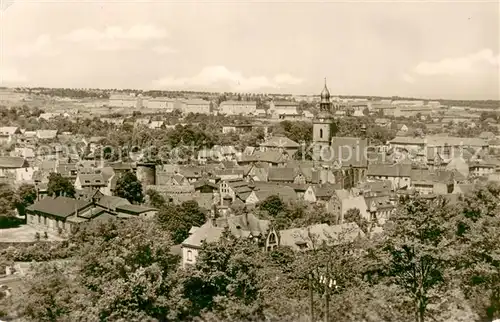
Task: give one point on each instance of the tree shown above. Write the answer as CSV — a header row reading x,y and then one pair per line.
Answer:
x,y
128,187
107,283
225,281
7,206
477,247
273,205
354,215
415,260
26,196
155,199
179,219
60,186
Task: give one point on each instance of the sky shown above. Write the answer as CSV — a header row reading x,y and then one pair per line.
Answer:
x,y
417,49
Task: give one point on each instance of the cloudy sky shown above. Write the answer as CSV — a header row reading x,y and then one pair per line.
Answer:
x,y
427,49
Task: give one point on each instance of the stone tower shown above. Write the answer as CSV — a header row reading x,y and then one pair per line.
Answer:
x,y
322,127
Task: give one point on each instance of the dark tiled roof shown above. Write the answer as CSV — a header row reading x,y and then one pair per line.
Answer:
x,y
59,207
350,151
281,174
134,209
397,170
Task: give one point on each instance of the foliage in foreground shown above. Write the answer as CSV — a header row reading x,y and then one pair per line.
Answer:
x,y
435,262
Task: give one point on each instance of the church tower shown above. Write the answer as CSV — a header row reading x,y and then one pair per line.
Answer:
x,y
322,128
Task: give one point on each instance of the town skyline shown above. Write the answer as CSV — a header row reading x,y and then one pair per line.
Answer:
x,y
445,50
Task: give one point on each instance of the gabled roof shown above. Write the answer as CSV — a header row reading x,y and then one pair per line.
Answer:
x,y
350,151
9,130
355,203
46,134
271,156
244,225
280,142
133,209
324,190
91,179
60,206
13,162
111,202
204,234
282,174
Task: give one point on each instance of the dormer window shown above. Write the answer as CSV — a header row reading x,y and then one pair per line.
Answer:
x,y
87,181
272,238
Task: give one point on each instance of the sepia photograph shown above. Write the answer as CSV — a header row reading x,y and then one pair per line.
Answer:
x,y
249,160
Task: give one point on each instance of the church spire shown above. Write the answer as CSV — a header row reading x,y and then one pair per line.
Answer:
x,y
325,98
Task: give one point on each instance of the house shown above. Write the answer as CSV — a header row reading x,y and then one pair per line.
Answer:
x,y
280,143
191,246
380,208
241,226
238,108
8,133
123,100
398,174
26,153
277,108
90,180
59,214
286,175
156,124
432,182
46,134
162,103
319,193
10,165
264,191
354,202
195,106
272,158
311,237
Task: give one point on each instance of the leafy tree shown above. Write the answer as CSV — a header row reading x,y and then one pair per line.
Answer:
x,y
60,186
273,205
26,196
155,199
107,283
224,280
7,206
477,250
128,187
353,215
178,219
415,241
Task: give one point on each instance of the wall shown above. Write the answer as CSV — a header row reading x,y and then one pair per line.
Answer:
x,y
185,256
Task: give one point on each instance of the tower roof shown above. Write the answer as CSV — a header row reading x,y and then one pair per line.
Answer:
x,y
325,93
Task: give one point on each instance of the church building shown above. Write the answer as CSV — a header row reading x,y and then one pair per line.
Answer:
x,y
346,155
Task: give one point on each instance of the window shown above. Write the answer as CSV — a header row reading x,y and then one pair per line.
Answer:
x,y
320,133
189,256
272,238
87,181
